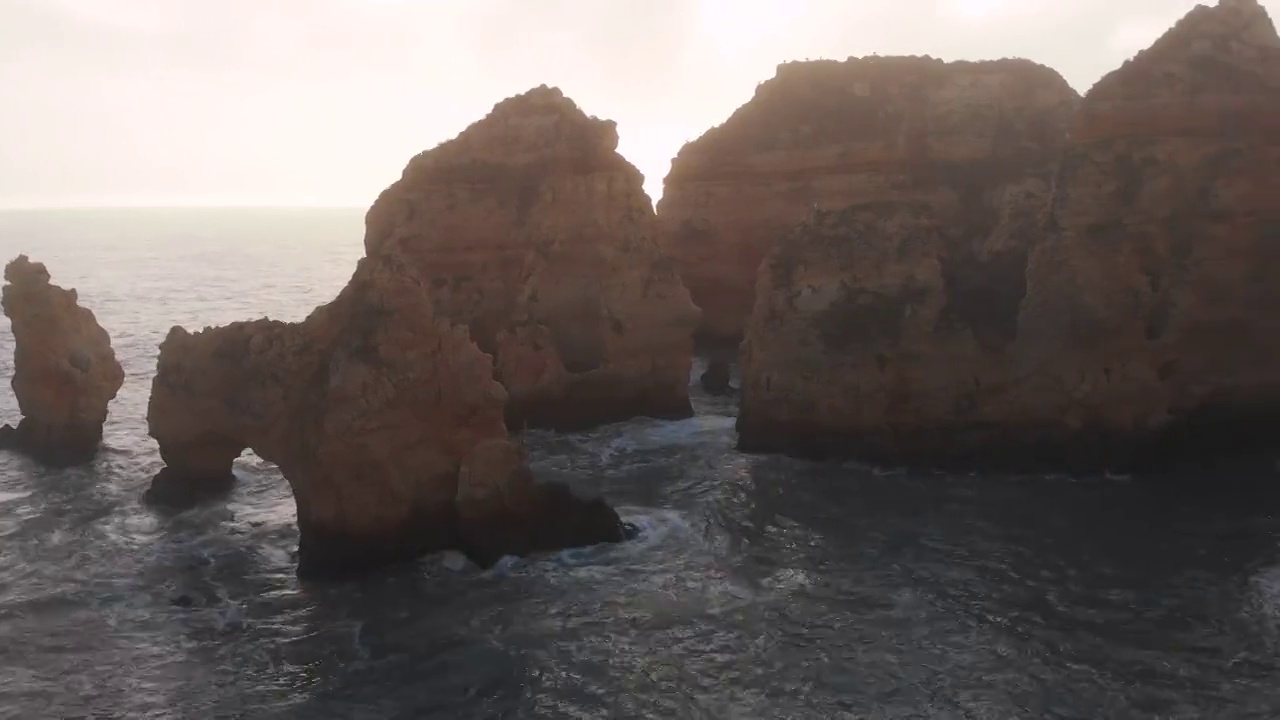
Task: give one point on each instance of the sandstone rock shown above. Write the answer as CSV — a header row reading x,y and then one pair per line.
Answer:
x,y
1141,332
64,370
881,322
383,417
530,229
827,134
1149,329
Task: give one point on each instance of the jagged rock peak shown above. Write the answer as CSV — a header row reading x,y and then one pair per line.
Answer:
x,y
1212,50
537,126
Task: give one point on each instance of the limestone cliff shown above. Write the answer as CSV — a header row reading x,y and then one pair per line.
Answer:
x,y
1150,320
828,134
533,231
64,370
383,417
1142,329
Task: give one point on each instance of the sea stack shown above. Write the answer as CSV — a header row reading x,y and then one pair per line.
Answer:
x,y
64,370
383,416
533,232
1141,331
884,318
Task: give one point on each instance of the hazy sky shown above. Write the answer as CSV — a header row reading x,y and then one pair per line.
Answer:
x,y
323,101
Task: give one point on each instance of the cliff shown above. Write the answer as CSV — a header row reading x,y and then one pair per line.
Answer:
x,y
1148,323
530,229
828,134
383,417
1139,329
64,370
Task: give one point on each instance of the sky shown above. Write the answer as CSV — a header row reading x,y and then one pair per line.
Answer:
x,y
322,102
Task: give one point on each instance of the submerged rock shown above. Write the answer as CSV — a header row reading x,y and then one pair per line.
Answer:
x,y
824,135
530,229
1140,330
383,417
64,370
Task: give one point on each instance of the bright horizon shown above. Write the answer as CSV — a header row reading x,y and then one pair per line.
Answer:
x,y
320,103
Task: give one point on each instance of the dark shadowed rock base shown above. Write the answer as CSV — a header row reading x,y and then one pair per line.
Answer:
x,y
174,490
65,448
557,518
715,379
1206,440
570,416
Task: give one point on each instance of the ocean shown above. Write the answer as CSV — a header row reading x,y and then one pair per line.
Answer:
x,y
760,587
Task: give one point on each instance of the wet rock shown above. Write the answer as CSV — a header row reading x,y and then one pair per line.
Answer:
x,y
533,232
65,372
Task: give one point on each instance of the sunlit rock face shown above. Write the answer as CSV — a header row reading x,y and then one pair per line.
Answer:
x,y
530,229
825,135
64,370
383,417
1140,330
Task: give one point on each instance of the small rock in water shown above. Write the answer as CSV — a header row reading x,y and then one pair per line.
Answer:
x,y
183,601
630,531
454,561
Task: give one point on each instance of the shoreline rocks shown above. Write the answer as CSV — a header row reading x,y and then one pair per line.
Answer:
x,y
383,417
1136,334
65,373
531,230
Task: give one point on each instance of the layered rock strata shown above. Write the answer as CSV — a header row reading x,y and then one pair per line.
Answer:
x,y
1139,330
530,229
824,135
382,415
64,370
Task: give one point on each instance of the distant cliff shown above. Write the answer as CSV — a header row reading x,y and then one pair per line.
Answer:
x,y
828,134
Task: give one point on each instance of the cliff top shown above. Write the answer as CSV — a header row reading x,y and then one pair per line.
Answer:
x,y
825,101
1228,49
540,126
22,271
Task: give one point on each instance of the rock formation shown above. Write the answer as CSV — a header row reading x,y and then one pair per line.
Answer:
x,y
889,315
1149,329
64,370
716,378
383,417
827,134
1139,329
533,231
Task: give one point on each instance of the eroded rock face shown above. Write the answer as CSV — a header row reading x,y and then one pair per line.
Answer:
x,y
64,370
1149,327
827,134
534,232
384,418
880,322
1143,332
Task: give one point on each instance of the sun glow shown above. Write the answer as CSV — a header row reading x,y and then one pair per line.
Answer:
x,y
971,9
737,27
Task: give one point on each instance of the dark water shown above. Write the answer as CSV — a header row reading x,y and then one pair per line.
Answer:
x,y
761,588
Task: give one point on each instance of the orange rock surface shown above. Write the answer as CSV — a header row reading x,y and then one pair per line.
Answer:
x,y
534,232
384,418
1150,314
827,134
1140,329
64,370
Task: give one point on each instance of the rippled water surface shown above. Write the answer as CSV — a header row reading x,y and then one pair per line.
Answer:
x,y
761,587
